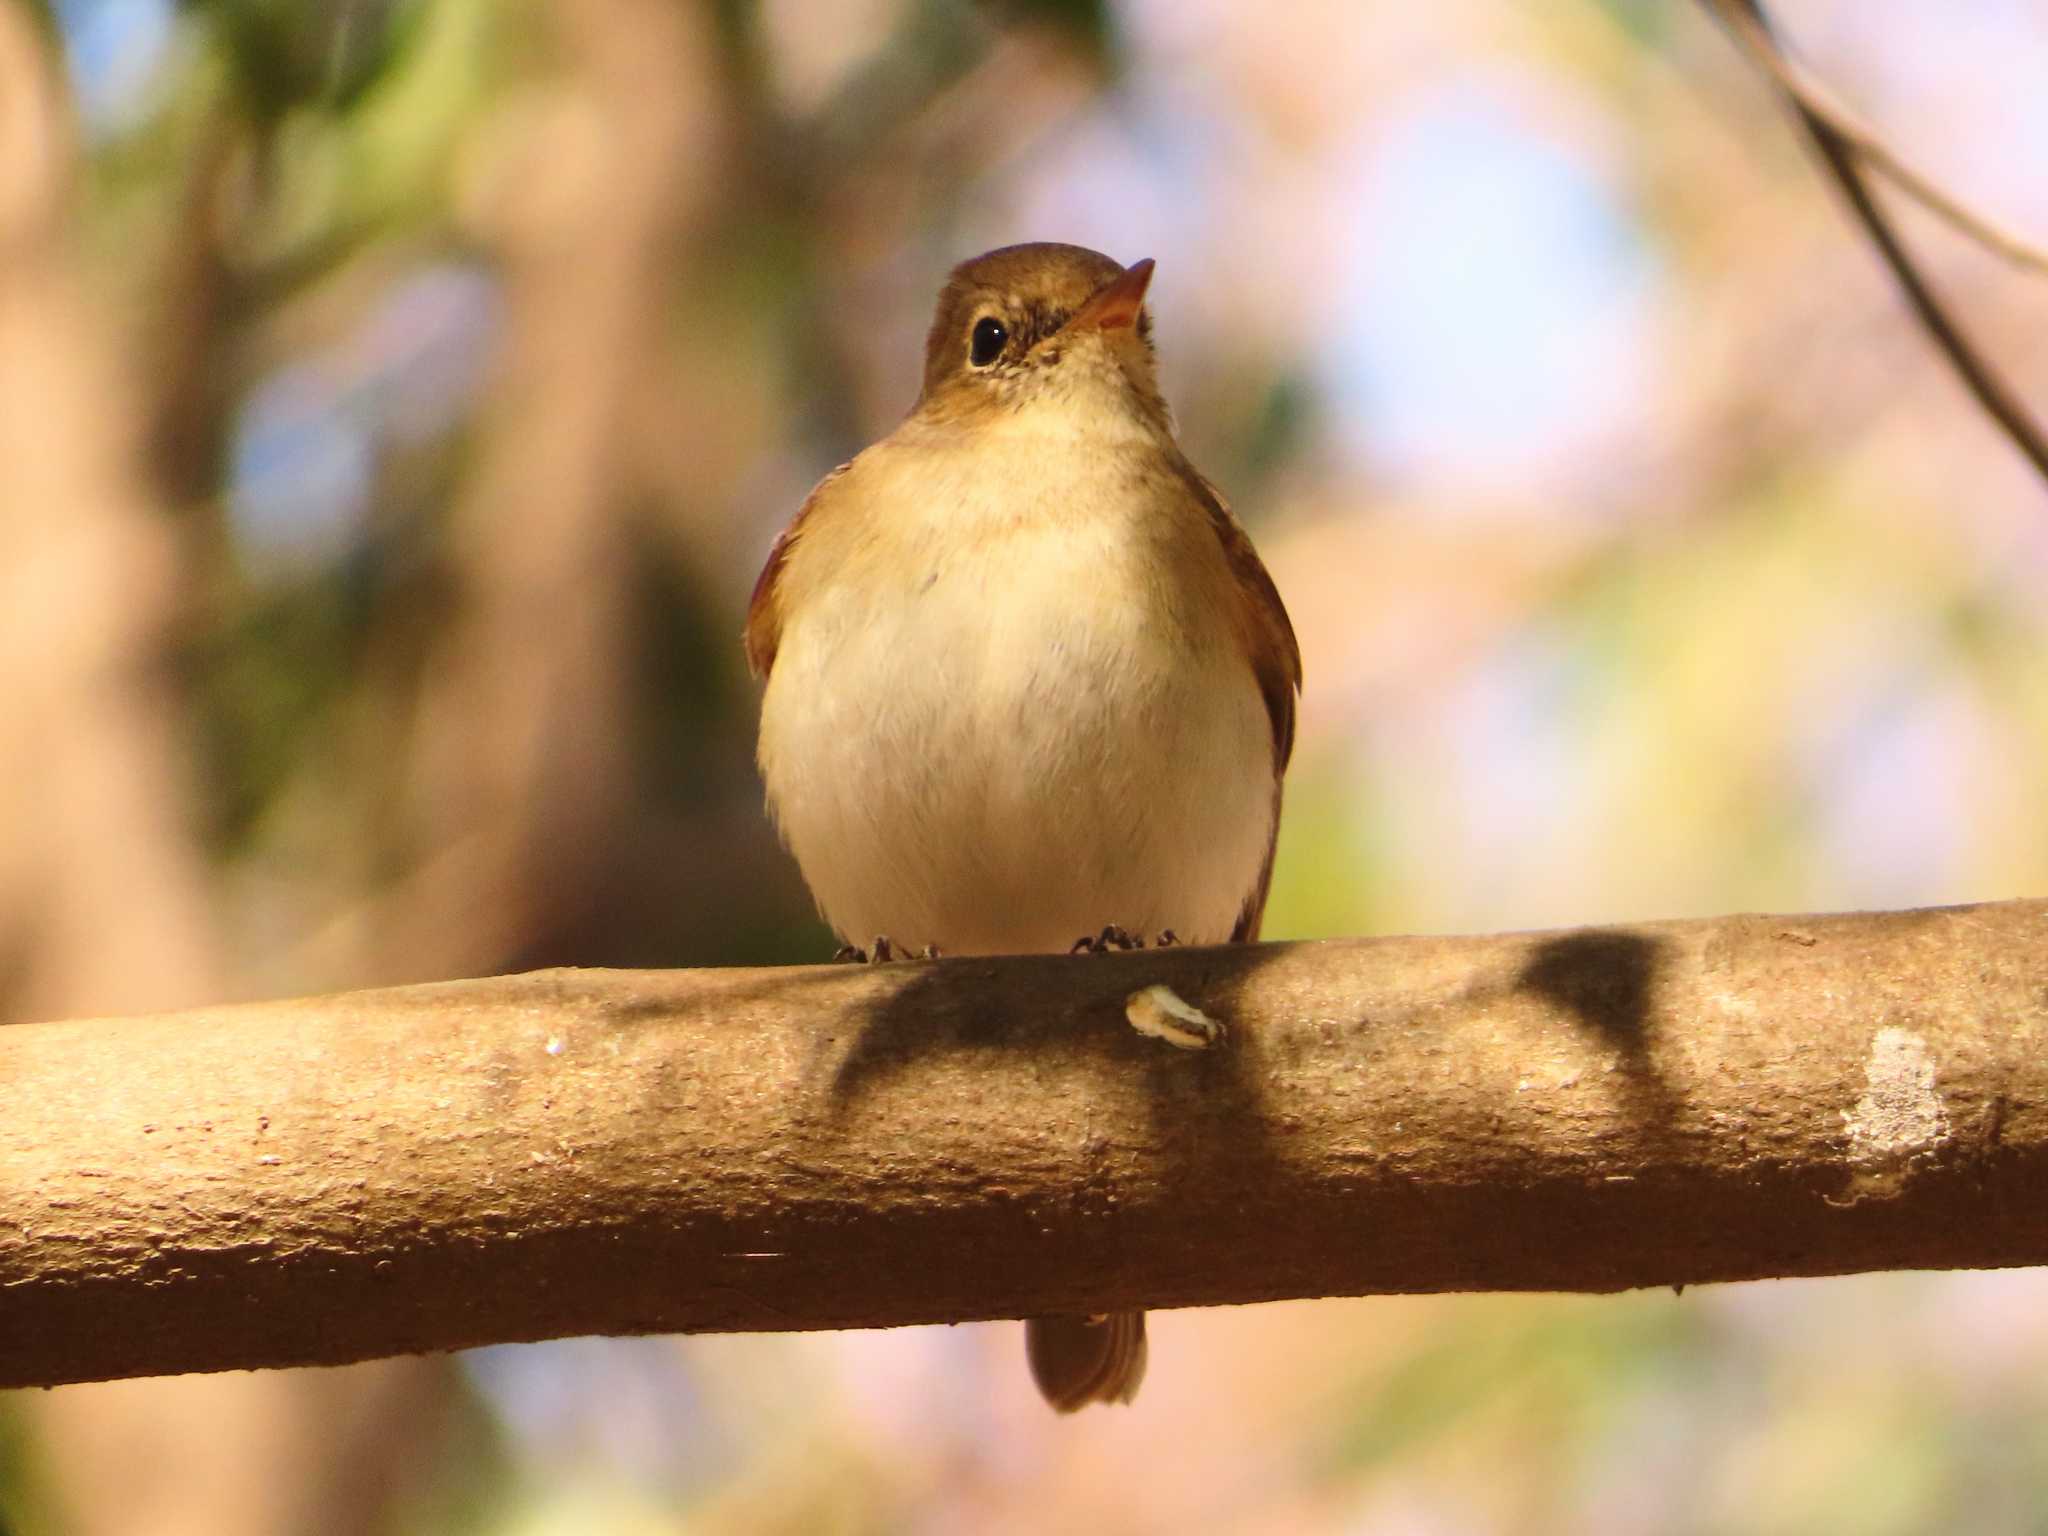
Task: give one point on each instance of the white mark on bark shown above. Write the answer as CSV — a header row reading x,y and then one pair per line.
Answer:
x,y
1163,1014
1900,1118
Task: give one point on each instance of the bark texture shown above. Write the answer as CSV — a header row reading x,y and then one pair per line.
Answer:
x,y
606,1151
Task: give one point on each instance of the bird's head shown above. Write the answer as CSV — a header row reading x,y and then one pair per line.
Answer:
x,y
1029,325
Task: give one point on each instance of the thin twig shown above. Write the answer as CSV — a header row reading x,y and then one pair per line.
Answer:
x,y
1819,101
1843,146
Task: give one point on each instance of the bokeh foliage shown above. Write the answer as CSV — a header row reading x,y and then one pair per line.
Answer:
x,y
467,355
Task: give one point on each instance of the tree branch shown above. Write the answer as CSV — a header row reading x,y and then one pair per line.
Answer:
x,y
1745,22
1843,149
620,1152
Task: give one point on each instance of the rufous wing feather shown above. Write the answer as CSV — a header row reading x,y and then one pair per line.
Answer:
x,y
764,609
1275,660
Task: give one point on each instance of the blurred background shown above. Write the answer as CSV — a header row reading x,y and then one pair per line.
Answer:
x,y
397,400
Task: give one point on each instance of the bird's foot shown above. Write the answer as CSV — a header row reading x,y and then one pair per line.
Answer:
x,y
1111,937
881,952
1116,937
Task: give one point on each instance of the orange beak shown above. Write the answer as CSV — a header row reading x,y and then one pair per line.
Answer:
x,y
1117,302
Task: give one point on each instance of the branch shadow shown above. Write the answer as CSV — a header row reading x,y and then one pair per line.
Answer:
x,y
1073,1002
1606,979
1070,1011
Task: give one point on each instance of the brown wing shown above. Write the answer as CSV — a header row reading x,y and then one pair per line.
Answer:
x,y
764,609
1276,663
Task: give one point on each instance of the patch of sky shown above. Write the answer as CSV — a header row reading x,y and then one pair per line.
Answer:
x,y
1107,180
1898,801
1956,88
113,50
1888,746
604,1406
308,437
1514,722
300,468
1495,327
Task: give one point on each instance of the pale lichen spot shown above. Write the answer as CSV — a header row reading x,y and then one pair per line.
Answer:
x,y
1736,1003
1162,1014
1899,1120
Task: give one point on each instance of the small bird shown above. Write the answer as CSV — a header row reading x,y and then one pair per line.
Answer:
x,y
1027,679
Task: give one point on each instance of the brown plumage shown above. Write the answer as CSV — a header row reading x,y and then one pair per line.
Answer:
x,y
1026,675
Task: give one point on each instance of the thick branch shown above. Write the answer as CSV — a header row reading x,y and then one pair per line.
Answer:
x,y
573,1152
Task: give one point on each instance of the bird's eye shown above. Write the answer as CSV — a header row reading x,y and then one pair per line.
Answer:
x,y
987,343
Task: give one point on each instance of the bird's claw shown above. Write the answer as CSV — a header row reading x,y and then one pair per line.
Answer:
x,y
1111,937
1115,937
881,952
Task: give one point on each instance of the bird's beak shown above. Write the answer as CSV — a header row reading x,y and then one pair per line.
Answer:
x,y
1117,302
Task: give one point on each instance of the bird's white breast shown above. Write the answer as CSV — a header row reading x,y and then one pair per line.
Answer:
x,y
1016,710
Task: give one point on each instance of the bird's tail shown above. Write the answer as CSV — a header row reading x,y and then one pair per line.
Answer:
x,y
1081,1360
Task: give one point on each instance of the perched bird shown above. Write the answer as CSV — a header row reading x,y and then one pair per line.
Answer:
x,y
1026,677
